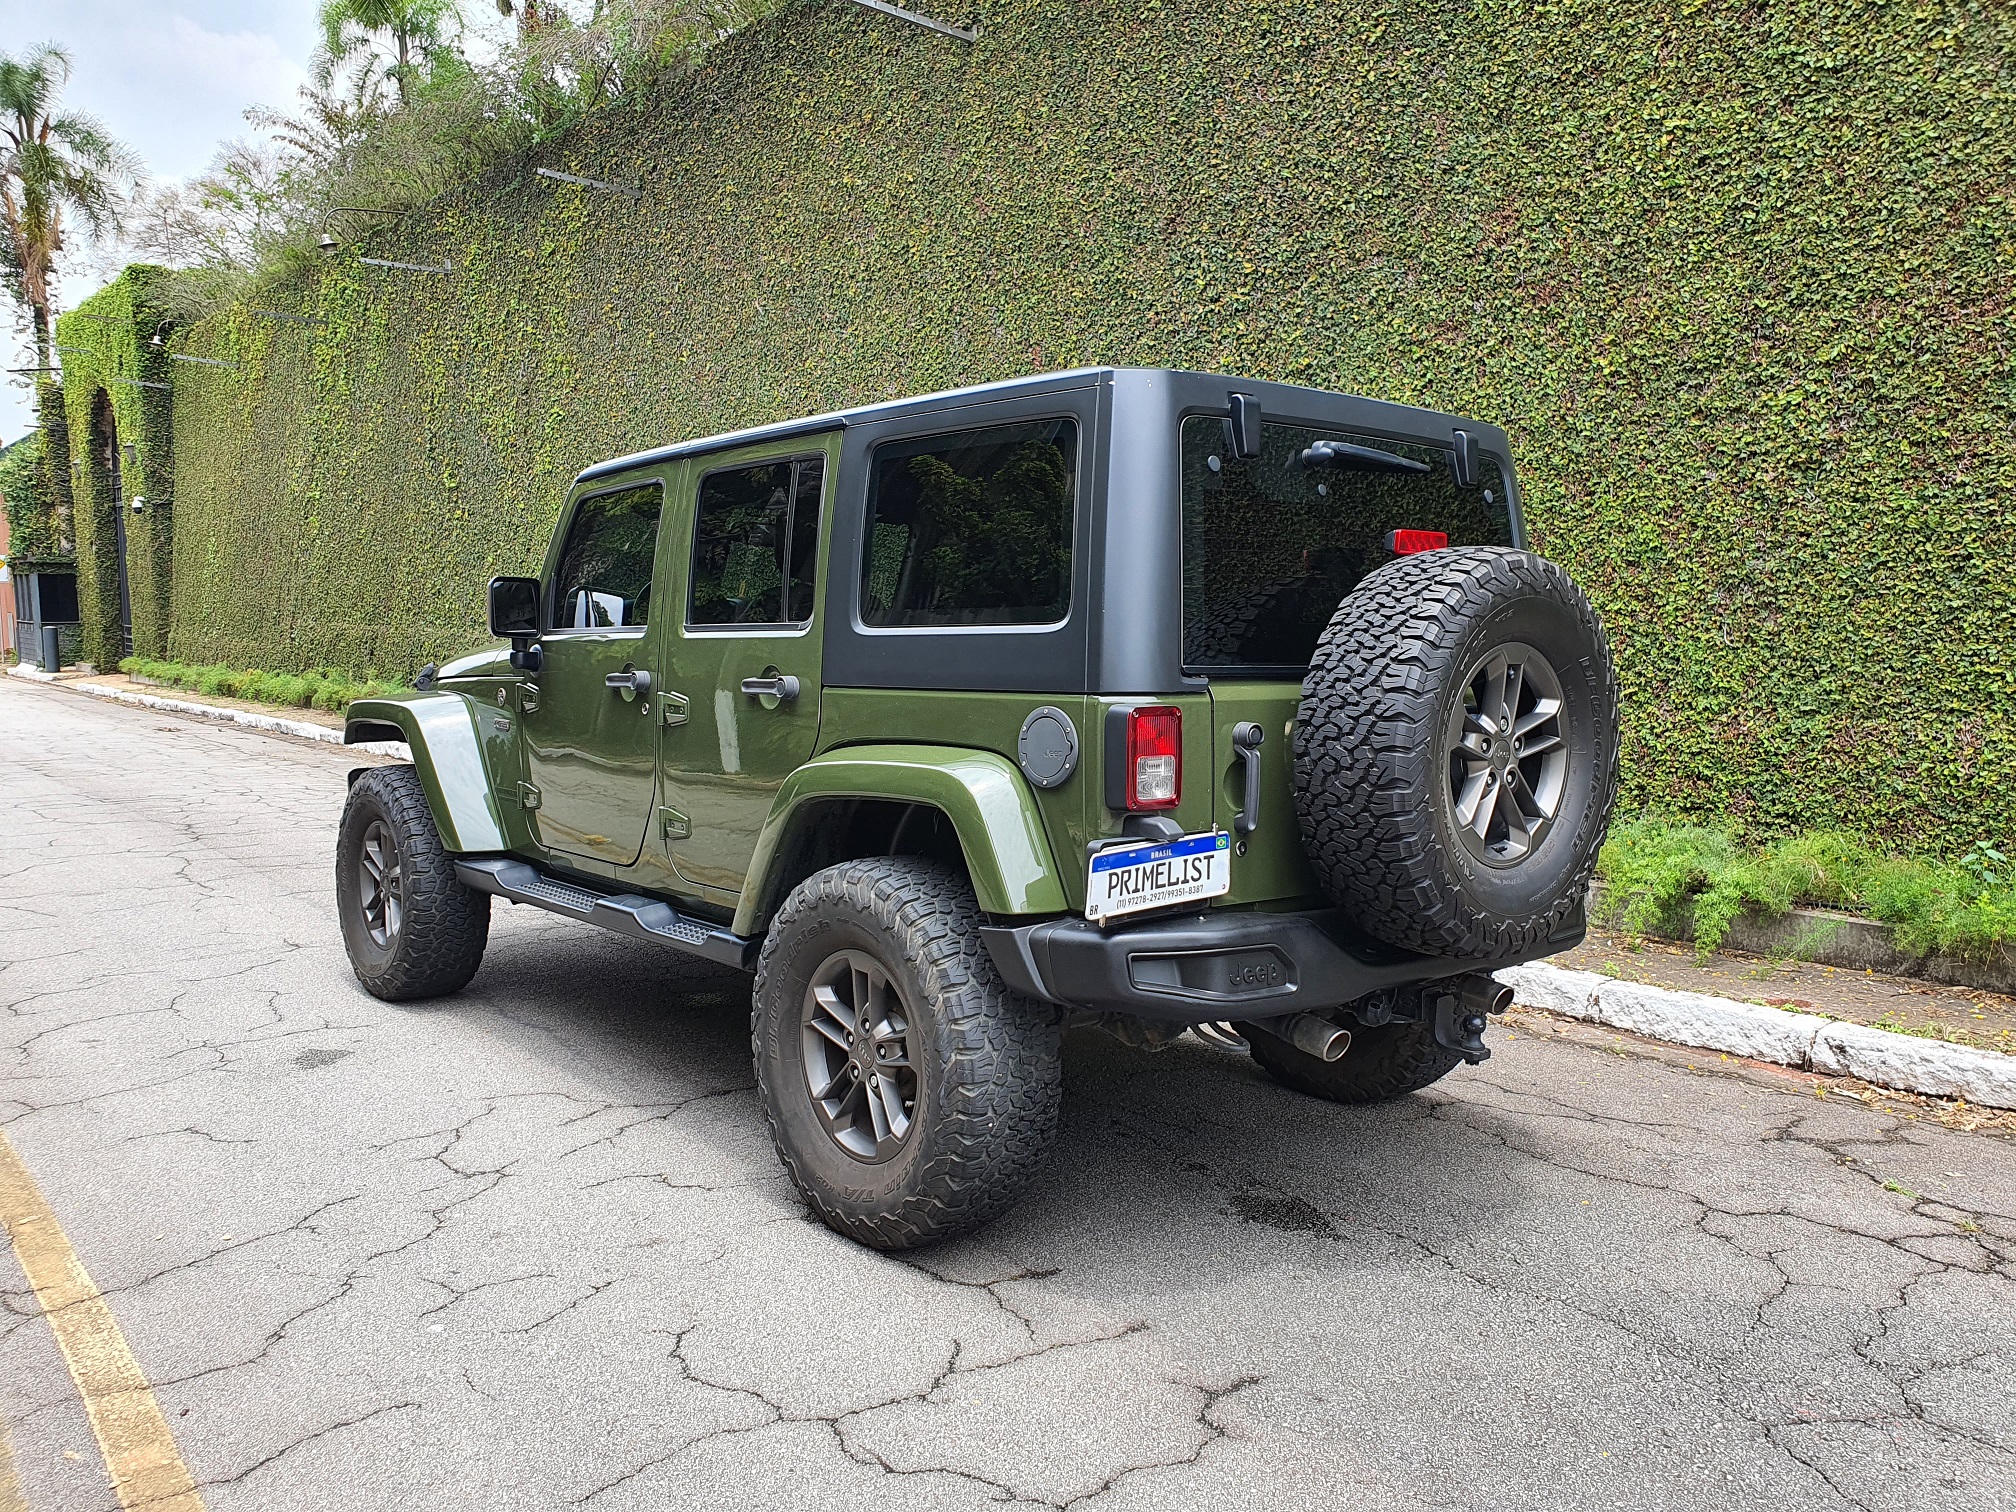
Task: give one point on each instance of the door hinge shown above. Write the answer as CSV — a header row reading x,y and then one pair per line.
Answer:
x,y
528,795
674,706
675,824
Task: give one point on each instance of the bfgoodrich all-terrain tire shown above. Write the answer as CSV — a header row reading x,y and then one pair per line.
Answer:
x,y
909,1093
1456,752
412,929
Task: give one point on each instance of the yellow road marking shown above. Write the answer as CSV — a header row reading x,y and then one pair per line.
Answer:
x,y
10,1488
140,1452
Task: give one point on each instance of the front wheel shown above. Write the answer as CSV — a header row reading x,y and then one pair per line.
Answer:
x,y
412,928
910,1094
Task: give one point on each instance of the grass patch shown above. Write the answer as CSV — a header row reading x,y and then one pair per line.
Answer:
x,y
318,688
1663,877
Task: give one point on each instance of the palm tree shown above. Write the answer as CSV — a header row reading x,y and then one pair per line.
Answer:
x,y
414,30
51,165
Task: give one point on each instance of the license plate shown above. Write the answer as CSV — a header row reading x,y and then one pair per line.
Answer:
x,y
1133,878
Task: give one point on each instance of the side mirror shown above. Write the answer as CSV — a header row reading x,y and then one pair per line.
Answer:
x,y
514,614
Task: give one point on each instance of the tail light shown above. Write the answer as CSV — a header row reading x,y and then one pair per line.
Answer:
x,y
1154,774
1407,542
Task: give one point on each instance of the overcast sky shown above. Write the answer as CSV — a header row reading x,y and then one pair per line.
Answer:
x,y
171,81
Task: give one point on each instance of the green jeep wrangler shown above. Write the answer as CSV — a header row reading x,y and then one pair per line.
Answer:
x,y
1151,699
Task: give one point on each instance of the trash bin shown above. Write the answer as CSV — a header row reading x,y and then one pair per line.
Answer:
x,y
52,649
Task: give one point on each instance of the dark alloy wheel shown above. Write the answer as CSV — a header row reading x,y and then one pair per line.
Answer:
x,y
910,1094
379,885
857,1056
1508,764
411,928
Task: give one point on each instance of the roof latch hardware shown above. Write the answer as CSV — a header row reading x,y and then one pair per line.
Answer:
x,y
1466,458
1244,425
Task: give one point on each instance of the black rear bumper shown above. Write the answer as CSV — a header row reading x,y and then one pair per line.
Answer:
x,y
1221,965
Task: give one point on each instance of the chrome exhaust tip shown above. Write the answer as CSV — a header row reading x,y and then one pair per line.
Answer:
x,y
1309,1034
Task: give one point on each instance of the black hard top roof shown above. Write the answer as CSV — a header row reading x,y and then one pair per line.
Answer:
x,y
891,409
1277,397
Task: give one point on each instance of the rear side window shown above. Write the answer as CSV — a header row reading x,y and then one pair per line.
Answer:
x,y
756,544
1270,546
604,582
972,528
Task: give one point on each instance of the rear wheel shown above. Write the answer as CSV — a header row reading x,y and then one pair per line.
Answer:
x,y
1387,1061
909,1093
411,928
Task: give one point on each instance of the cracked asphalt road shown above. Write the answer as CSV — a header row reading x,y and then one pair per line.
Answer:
x,y
529,1246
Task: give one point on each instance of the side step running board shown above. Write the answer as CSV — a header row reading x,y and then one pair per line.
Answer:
x,y
626,913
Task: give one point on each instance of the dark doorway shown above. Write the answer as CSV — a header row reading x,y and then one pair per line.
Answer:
x,y
105,441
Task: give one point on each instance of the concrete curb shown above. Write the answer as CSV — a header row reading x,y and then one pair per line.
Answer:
x,y
1931,1067
271,724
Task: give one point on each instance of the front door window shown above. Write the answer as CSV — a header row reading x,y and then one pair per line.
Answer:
x,y
604,581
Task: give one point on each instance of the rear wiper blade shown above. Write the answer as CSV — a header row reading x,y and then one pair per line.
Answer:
x,y
1359,458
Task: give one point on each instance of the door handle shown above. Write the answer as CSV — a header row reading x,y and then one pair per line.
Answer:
x,y
629,680
785,687
1246,740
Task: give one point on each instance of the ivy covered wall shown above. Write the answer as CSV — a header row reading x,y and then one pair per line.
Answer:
x,y
1736,278
117,415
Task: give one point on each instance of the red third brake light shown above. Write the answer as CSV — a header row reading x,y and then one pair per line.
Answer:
x,y
1407,542
1154,758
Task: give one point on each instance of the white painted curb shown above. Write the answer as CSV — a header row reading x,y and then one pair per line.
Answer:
x,y
1805,1040
272,724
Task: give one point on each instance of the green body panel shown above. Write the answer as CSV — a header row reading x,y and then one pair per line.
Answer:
x,y
724,760
1073,814
446,733
990,805
1273,867
591,752
692,791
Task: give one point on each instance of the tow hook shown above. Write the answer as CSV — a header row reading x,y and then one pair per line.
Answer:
x,y
1461,1014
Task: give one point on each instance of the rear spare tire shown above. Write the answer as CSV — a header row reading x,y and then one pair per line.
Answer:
x,y
1456,752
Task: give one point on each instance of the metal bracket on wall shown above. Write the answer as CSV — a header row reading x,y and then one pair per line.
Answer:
x,y
589,183
380,262
962,33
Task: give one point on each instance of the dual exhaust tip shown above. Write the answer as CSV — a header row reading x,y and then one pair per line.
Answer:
x,y
1481,998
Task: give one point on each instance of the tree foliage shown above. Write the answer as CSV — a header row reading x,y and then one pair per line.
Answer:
x,y
54,164
398,112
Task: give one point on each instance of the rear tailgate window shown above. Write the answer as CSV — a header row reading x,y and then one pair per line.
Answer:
x,y
1271,545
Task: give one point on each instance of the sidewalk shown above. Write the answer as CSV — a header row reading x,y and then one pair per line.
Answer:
x,y
274,719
